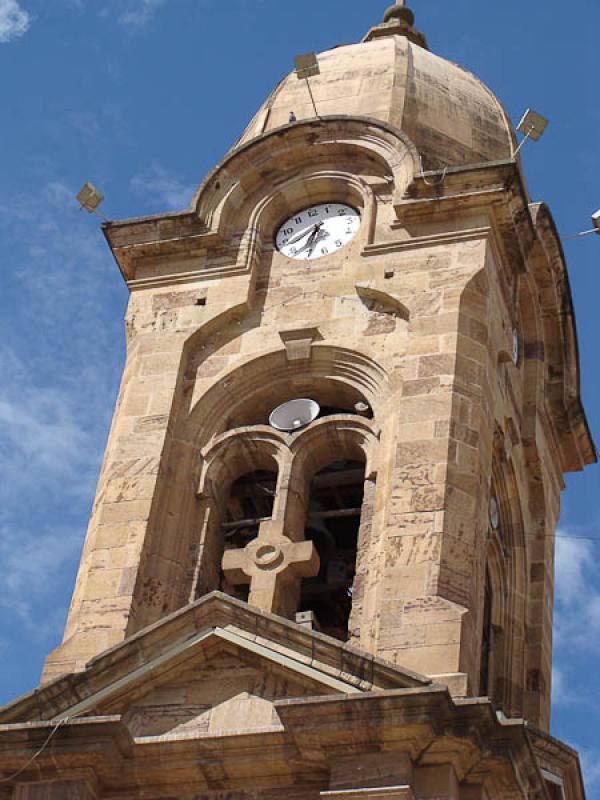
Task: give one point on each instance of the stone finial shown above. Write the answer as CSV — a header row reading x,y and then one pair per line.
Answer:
x,y
399,11
398,20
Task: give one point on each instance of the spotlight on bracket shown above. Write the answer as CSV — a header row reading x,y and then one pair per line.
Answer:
x,y
90,198
307,66
532,126
595,229
294,415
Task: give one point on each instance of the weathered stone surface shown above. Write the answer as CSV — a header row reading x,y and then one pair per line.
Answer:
x,y
405,337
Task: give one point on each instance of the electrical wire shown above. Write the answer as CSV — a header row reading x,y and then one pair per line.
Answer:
x,y
38,753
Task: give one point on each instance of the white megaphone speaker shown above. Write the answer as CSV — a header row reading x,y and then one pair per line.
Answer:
x,y
294,415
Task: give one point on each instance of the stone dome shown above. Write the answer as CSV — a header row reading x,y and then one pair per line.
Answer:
x,y
451,117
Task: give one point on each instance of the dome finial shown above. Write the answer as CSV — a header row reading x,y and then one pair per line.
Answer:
x,y
398,20
399,11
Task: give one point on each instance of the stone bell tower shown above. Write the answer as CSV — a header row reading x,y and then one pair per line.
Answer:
x,y
357,589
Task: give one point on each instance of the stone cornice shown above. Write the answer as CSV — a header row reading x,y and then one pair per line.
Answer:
x,y
423,723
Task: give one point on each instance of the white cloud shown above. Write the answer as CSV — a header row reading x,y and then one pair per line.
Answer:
x,y
139,12
165,190
590,765
577,621
573,558
40,437
14,20
31,571
59,361
577,593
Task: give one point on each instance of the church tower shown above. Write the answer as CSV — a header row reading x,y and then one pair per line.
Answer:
x,y
321,554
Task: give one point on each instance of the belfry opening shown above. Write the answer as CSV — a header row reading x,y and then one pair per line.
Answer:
x,y
333,518
250,502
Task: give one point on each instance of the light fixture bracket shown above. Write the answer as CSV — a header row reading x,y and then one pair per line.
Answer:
x,y
89,197
532,125
307,66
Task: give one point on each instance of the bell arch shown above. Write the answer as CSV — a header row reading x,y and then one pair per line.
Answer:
x,y
274,552
249,391
232,456
335,464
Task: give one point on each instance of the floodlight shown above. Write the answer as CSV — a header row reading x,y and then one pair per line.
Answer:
x,y
89,198
307,66
595,229
532,126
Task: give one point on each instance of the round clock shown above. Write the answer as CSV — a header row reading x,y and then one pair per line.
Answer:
x,y
317,231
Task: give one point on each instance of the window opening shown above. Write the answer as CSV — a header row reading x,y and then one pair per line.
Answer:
x,y
333,522
250,502
363,409
554,785
487,638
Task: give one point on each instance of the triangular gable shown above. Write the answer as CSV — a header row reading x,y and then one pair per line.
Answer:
x,y
309,662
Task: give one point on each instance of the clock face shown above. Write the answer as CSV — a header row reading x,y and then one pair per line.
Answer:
x,y
318,231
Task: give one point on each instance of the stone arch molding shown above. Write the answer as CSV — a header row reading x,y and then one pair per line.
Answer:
x,y
274,562
279,166
259,446
264,377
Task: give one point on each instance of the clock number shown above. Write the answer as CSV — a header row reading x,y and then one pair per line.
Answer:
x,y
342,212
313,213
338,242
324,251
298,220
288,231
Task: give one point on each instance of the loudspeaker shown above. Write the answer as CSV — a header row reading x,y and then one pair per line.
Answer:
x,y
294,415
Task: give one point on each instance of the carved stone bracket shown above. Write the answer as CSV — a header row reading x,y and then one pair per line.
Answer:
x,y
298,343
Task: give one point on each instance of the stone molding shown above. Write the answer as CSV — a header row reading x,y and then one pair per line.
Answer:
x,y
381,793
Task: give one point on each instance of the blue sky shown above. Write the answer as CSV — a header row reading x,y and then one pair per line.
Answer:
x,y
143,97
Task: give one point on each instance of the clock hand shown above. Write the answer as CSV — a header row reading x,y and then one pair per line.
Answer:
x,y
311,239
319,236
303,234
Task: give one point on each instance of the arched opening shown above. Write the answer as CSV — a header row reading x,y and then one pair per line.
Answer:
x,y
495,660
250,501
487,639
334,505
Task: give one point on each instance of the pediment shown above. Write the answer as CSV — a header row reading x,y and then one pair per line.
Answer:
x,y
228,691
216,665
220,684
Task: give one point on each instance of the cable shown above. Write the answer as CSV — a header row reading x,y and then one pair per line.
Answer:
x,y
433,183
38,754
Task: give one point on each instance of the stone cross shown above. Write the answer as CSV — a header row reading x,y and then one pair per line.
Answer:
x,y
272,563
